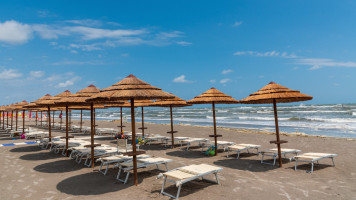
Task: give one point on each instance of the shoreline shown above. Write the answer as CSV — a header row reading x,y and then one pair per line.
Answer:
x,y
252,130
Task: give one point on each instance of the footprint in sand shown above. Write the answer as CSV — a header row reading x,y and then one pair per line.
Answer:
x,y
41,179
22,175
48,198
236,189
33,175
20,181
3,176
35,182
51,192
26,188
29,195
15,196
9,187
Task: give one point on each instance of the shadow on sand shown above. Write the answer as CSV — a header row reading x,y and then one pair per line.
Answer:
x,y
186,154
39,156
32,148
248,164
92,183
59,166
187,188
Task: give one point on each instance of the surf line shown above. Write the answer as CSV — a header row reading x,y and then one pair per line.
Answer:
x,y
19,143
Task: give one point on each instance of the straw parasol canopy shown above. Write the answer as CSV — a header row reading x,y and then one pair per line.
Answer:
x,y
176,102
274,93
131,88
50,101
78,100
213,96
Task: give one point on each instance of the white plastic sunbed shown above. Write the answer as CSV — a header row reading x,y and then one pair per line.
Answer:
x,y
152,138
242,147
182,175
312,158
115,159
274,154
126,167
201,142
168,140
101,131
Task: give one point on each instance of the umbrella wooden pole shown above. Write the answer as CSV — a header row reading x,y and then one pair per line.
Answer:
x,y
17,114
94,121
277,132
133,139
7,119
121,120
53,113
12,118
23,121
49,123
92,133
36,118
215,136
41,119
60,123
171,110
81,120
143,123
67,130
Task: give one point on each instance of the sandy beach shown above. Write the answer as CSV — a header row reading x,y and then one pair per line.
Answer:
x,y
31,173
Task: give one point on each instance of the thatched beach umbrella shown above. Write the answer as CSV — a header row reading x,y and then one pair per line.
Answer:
x,y
213,96
176,102
50,101
131,88
274,93
78,99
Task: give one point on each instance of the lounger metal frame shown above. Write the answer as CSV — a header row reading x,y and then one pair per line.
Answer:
x,y
297,159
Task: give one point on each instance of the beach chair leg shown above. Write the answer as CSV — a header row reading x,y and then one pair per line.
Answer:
x,y
262,158
295,166
274,160
227,154
127,177
238,155
332,159
248,151
163,184
178,192
166,166
312,167
217,178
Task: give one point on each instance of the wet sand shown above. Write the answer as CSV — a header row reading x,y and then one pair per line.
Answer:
x,y
27,172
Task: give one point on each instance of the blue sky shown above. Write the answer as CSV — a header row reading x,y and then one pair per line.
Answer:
x,y
183,47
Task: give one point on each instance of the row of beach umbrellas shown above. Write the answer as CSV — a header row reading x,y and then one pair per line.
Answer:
x,y
132,92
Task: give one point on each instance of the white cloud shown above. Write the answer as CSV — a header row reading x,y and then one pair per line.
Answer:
x,y
317,63
73,62
261,76
89,33
227,71
181,79
13,32
237,23
85,22
37,74
8,74
212,81
68,83
225,80
266,54
184,43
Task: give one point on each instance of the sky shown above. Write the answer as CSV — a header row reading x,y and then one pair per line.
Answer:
x,y
184,47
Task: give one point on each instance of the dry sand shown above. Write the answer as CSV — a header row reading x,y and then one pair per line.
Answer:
x,y
27,172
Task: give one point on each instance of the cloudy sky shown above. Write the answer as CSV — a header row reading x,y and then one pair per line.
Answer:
x,y
183,47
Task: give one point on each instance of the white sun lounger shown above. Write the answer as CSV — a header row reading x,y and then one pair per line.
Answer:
x,y
152,138
101,131
115,159
242,147
312,158
182,175
126,167
168,140
274,154
201,142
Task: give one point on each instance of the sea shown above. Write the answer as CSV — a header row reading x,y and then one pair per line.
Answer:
x,y
336,120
